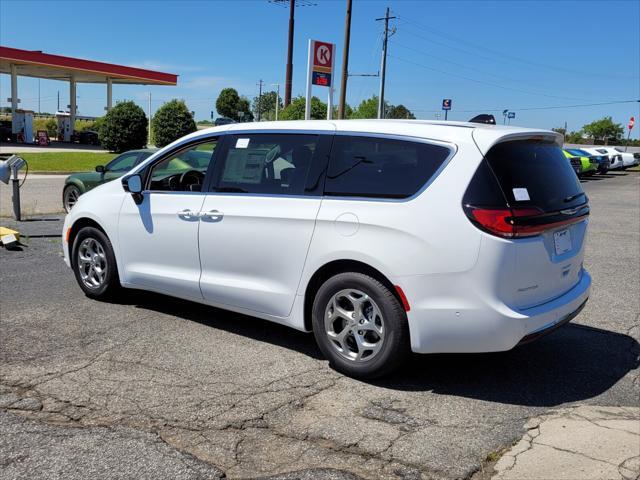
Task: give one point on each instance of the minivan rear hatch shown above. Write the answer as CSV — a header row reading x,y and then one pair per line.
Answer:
x,y
525,191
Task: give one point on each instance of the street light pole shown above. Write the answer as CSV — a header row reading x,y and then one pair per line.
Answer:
x,y
277,85
345,61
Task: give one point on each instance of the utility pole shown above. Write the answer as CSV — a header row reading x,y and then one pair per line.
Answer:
x,y
289,73
345,61
277,85
58,109
383,67
260,83
38,96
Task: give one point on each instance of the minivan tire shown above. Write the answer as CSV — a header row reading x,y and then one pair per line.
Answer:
x,y
93,239
395,342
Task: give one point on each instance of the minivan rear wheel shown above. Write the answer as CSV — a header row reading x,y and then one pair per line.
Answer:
x,y
360,326
94,264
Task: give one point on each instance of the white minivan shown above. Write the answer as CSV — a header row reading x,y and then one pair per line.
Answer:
x,y
382,237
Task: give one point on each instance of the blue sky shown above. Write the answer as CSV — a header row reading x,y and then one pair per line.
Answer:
x,y
484,55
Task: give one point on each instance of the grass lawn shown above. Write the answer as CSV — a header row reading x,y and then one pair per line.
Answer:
x,y
65,162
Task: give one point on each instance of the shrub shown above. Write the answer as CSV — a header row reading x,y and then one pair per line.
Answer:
x,y
295,110
48,124
124,128
172,121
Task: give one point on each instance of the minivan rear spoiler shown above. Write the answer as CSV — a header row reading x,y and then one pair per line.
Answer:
x,y
484,118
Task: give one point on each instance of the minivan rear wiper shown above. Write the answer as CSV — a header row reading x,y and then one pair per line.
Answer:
x,y
573,197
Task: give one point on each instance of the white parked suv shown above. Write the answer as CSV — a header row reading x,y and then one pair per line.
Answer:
x,y
381,237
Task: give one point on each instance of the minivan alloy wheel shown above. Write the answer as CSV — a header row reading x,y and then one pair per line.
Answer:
x,y
354,325
92,263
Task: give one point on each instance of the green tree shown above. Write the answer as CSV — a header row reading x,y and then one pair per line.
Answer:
x,y
171,121
367,109
295,110
603,129
244,107
267,105
574,137
227,103
399,111
123,128
560,130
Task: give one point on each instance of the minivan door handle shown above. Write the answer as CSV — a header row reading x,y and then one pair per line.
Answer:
x,y
187,215
212,216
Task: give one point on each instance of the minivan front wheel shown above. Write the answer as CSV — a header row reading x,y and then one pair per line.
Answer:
x,y
360,326
94,263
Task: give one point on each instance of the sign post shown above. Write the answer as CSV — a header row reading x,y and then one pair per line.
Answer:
x,y
320,72
632,122
446,106
511,115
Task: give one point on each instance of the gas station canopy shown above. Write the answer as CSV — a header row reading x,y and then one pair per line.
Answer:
x,y
35,63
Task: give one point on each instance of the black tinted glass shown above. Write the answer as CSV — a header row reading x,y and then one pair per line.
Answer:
x,y
266,163
535,174
377,167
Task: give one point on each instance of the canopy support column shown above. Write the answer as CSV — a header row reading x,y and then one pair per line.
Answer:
x,y
109,94
72,107
14,98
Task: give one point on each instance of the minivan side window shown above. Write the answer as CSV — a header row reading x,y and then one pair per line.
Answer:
x,y
265,163
381,167
183,171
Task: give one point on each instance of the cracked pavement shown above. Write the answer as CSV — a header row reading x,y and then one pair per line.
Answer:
x,y
162,387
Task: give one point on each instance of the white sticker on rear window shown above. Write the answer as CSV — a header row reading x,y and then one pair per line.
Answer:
x,y
242,143
521,194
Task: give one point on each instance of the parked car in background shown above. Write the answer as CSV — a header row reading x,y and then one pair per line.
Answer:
x,y
223,121
587,165
628,158
615,159
601,160
86,137
381,237
78,183
5,131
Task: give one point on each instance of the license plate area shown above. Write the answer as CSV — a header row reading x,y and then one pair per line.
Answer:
x,y
562,241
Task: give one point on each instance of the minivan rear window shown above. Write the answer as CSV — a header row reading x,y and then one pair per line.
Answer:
x,y
381,167
536,174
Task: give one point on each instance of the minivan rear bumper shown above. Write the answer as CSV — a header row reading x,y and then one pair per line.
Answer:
x,y
469,325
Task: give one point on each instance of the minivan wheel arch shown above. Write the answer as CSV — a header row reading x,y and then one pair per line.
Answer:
x,y
79,225
333,268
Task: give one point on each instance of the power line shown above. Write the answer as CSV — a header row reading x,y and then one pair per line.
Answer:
x,y
551,107
497,53
440,59
483,82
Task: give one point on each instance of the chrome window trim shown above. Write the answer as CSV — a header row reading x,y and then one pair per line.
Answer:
x,y
453,149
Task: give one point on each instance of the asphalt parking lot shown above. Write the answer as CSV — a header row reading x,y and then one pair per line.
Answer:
x,y
155,387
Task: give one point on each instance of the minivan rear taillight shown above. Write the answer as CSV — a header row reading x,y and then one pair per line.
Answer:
x,y
522,222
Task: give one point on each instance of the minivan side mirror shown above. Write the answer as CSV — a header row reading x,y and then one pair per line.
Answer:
x,y
133,185
100,169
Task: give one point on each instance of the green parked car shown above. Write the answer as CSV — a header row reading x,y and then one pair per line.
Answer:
x,y
587,167
78,183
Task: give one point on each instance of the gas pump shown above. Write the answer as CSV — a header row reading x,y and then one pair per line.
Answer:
x,y
22,125
64,126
